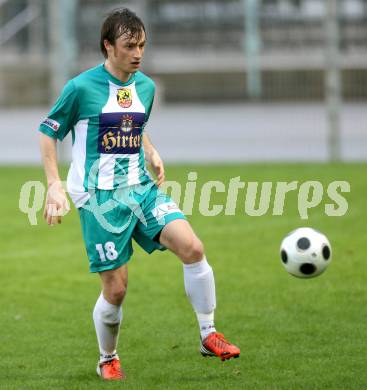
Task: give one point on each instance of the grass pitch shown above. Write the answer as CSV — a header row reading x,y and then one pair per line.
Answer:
x,y
293,334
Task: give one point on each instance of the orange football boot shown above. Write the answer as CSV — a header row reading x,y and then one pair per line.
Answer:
x,y
110,370
216,345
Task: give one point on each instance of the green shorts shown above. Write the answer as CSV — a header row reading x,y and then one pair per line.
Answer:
x,y
111,218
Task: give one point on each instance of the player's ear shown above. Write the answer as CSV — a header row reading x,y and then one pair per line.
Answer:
x,y
108,46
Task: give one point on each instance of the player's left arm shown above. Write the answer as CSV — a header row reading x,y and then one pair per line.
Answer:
x,y
154,159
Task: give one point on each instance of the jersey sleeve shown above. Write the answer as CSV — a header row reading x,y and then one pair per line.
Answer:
x,y
146,91
63,115
150,102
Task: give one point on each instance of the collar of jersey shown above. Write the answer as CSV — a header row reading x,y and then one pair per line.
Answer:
x,y
116,80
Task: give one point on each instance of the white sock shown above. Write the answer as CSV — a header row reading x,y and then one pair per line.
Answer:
x,y
200,289
107,319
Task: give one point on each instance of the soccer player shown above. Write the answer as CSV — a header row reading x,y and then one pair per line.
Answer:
x,y
106,108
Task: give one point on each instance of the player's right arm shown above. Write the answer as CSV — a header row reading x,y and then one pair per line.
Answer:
x,y
56,201
62,117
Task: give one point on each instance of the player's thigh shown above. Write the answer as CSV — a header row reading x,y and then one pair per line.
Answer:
x,y
179,237
107,239
159,210
114,284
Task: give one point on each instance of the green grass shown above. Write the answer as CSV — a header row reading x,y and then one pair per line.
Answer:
x,y
294,334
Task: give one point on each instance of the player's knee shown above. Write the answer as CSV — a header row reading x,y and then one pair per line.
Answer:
x,y
118,294
193,252
198,250
115,294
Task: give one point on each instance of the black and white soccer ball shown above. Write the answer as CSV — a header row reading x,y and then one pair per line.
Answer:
x,y
305,252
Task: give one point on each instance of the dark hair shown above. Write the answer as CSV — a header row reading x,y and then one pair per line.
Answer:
x,y
119,22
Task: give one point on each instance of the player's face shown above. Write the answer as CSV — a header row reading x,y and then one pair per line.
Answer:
x,y
127,53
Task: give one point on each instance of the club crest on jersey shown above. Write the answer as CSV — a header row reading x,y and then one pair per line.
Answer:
x,y
124,98
126,123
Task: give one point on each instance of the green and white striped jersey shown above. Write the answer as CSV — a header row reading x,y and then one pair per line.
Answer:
x,y
107,119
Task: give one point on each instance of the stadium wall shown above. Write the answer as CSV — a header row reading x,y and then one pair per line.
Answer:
x,y
26,85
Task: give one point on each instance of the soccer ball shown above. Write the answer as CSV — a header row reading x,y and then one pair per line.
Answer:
x,y
305,253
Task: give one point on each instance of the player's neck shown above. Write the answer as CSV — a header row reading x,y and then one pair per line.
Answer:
x,y
120,75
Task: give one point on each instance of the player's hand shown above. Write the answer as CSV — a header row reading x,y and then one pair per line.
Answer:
x,y
57,204
157,166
